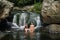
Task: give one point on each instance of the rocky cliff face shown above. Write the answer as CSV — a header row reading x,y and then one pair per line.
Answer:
x,y
5,8
51,15
51,11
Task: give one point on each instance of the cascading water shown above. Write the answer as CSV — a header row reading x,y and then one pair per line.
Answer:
x,y
14,19
23,19
36,17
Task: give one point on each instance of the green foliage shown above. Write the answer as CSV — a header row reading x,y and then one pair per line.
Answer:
x,y
37,7
37,4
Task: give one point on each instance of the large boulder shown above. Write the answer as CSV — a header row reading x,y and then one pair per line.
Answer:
x,y
54,31
5,7
53,28
51,11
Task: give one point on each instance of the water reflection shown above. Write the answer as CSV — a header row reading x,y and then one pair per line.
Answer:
x,y
21,35
29,36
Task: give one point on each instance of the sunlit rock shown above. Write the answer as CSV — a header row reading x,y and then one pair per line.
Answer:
x,y
51,11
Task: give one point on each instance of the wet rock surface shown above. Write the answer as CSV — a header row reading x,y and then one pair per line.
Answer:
x,y
51,19
54,28
5,36
51,11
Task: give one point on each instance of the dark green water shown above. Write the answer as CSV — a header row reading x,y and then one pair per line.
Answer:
x,y
20,35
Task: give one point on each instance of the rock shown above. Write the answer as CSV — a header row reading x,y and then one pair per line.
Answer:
x,y
54,31
2,34
6,7
26,8
6,36
54,28
51,11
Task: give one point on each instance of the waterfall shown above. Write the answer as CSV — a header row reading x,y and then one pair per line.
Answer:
x,y
36,17
23,16
14,19
22,20
38,21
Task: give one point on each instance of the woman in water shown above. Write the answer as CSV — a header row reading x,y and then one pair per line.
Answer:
x,y
32,26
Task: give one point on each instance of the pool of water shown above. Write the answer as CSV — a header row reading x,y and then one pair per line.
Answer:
x,y
21,35
30,36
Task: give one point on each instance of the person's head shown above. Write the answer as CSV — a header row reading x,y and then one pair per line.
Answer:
x,y
26,26
32,23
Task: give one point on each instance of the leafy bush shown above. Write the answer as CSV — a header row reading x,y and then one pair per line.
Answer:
x,y
37,7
